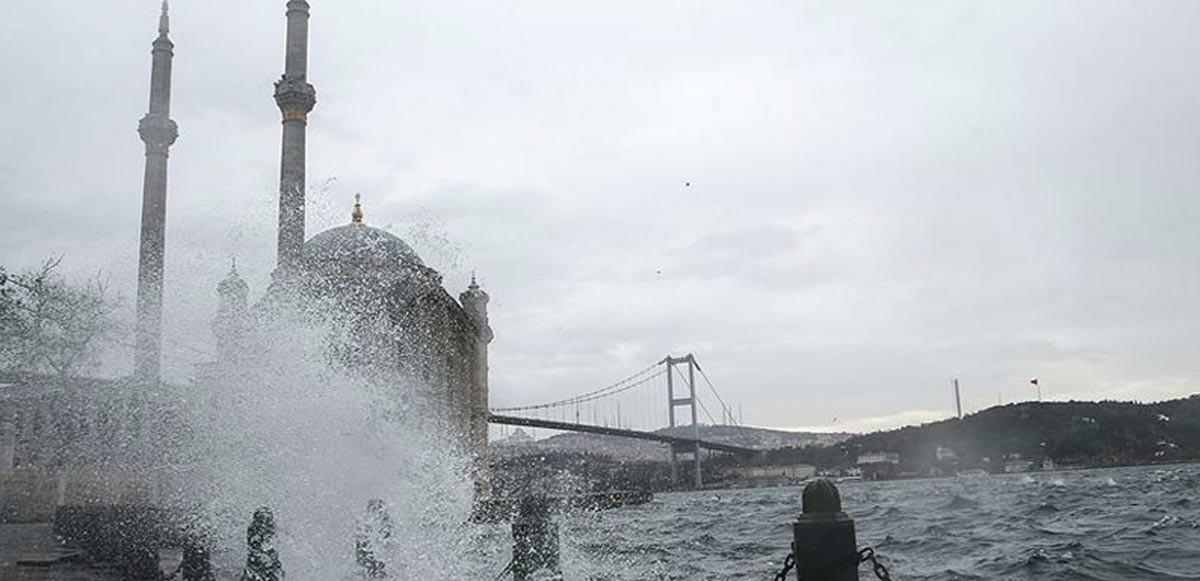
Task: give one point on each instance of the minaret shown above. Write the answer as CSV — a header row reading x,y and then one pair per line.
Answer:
x,y
296,98
475,302
231,326
158,132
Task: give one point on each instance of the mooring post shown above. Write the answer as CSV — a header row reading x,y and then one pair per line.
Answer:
x,y
136,529
535,542
141,562
197,562
262,559
825,546
372,540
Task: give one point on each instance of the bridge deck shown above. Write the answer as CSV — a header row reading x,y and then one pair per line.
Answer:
x,y
678,441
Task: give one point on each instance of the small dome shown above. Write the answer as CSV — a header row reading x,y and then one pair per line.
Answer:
x,y
233,284
474,293
359,243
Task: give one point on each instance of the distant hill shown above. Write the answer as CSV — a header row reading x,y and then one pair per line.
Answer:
x,y
1072,433
630,449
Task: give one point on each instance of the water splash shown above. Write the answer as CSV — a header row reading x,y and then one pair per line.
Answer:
x,y
291,428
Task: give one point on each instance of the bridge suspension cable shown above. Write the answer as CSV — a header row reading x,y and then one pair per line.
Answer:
x,y
645,408
684,434
642,377
728,410
683,379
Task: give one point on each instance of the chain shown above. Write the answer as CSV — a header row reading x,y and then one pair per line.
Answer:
x,y
868,554
788,564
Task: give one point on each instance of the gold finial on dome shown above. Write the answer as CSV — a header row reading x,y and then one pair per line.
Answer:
x,y
356,217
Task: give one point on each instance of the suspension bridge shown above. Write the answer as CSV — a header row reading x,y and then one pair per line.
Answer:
x,y
634,407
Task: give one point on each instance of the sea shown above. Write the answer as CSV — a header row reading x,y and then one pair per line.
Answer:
x,y
1117,524
1114,524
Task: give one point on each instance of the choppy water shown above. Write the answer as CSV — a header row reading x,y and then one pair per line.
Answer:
x,y
1111,524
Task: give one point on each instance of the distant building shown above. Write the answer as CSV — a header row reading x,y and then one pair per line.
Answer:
x,y
879,465
1017,466
852,472
945,454
518,436
878,458
774,475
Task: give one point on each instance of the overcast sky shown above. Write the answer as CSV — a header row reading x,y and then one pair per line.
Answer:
x,y
884,196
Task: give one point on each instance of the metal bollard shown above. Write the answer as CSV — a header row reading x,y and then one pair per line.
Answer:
x,y
825,546
535,542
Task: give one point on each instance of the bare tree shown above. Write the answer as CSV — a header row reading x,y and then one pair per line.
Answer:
x,y
50,325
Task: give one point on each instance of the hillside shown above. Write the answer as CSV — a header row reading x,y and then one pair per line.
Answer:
x,y
638,450
1072,433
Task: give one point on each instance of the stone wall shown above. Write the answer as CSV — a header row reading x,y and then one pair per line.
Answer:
x,y
76,441
28,496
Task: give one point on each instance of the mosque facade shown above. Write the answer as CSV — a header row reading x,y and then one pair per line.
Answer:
x,y
395,321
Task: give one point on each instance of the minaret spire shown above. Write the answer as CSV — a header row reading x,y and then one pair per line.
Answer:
x,y
356,215
164,20
296,99
158,132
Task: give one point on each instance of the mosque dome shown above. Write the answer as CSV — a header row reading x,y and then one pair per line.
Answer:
x,y
233,285
357,243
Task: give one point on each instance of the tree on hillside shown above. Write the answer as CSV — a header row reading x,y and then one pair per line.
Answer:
x,y
50,325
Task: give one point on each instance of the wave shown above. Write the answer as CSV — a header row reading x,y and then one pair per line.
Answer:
x,y
960,502
1046,507
1117,524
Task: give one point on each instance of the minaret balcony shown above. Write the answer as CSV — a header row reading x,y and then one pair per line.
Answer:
x,y
295,97
298,7
158,133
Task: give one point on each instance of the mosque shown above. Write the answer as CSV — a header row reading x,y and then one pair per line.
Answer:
x,y
363,271
393,303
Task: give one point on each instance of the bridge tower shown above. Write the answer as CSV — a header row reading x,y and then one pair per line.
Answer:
x,y
690,401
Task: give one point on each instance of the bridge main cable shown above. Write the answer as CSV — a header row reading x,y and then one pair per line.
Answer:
x,y
642,377
713,388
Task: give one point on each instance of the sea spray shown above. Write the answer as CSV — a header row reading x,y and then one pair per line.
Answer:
x,y
293,428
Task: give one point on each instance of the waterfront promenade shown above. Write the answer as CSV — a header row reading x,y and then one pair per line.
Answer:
x,y
29,552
